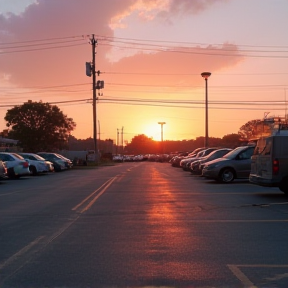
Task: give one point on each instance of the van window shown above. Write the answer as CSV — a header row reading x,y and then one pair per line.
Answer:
x,y
263,146
267,148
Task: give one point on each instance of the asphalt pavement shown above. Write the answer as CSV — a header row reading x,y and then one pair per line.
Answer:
x,y
142,224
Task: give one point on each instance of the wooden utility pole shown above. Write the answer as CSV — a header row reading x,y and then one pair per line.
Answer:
x,y
94,42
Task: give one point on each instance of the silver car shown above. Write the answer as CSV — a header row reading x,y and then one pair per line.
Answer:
x,y
235,164
16,165
37,164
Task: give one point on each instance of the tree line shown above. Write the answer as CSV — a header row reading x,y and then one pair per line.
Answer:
x,y
41,126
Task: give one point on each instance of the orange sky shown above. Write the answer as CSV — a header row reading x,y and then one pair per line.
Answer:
x,y
147,51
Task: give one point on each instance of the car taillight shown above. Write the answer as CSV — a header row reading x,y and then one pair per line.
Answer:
x,y
275,167
25,164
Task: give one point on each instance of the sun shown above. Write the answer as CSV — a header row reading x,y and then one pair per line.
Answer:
x,y
153,130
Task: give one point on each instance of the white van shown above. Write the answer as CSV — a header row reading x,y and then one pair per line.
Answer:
x,y
269,166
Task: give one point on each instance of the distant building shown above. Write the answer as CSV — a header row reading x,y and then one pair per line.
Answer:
x,y
8,144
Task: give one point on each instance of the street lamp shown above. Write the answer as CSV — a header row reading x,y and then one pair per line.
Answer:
x,y
162,123
206,75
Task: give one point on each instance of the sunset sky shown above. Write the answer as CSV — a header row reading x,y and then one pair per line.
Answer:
x,y
151,54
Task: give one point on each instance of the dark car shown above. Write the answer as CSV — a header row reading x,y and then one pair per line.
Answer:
x,y
197,166
235,164
58,162
200,155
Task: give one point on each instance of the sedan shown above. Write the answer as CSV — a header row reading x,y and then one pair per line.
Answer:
x,y
235,164
197,166
68,162
58,162
37,164
16,165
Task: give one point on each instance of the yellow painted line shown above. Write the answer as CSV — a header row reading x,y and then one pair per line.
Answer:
x,y
20,252
238,221
261,266
102,189
91,195
241,276
95,199
10,193
120,178
235,269
278,277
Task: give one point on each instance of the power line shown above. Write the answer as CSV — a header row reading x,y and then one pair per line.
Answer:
x,y
191,49
185,42
44,48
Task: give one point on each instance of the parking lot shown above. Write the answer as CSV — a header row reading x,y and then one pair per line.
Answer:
x,y
140,224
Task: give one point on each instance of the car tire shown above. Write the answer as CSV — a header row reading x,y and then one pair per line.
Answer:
x,y
283,186
11,173
33,170
227,175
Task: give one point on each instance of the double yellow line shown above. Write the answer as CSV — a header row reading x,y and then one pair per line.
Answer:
x,y
87,203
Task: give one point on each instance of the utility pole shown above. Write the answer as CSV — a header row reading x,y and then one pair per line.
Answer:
x,y
93,43
122,141
117,141
162,146
99,135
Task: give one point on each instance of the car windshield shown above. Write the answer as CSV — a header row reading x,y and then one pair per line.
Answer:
x,y
17,156
234,153
33,157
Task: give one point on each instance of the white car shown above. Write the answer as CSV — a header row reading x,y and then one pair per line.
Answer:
x,y
16,165
37,164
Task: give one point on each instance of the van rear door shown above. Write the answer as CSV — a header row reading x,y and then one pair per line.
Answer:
x,y
261,160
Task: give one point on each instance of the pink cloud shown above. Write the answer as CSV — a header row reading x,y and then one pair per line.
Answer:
x,y
61,22
55,20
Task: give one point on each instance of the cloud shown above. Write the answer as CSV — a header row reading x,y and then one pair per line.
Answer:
x,y
55,20
164,10
64,25
178,67
47,46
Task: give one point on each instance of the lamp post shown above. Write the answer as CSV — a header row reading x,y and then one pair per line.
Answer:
x,y
162,123
206,75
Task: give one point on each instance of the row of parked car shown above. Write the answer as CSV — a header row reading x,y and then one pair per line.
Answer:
x,y
15,165
217,163
263,163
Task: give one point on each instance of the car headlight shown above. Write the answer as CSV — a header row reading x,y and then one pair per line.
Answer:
x,y
212,166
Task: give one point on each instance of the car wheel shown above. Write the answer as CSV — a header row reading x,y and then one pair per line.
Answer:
x,y
283,186
33,170
10,172
227,175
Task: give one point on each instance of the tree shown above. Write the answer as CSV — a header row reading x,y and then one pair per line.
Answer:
x,y
39,126
249,130
254,129
142,144
231,140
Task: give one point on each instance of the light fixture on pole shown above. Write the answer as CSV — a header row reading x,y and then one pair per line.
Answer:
x,y
162,123
206,75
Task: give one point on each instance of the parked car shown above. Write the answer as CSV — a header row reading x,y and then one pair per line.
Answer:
x,y
196,167
175,161
37,164
270,162
3,170
200,155
58,162
68,162
16,165
234,165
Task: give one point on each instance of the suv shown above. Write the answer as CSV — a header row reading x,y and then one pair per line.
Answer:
x,y
270,161
235,164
